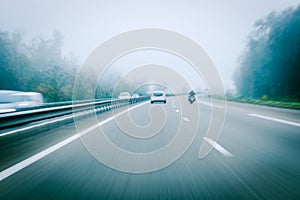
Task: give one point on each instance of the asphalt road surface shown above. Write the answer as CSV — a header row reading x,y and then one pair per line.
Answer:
x,y
256,156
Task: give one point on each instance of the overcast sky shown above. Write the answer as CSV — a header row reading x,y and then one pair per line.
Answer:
x,y
220,27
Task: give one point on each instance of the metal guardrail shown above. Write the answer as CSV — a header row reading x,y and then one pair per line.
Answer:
x,y
62,108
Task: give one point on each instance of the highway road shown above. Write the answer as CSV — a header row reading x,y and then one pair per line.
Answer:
x,y
256,156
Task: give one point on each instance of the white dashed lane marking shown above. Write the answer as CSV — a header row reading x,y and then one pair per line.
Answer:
x,y
275,119
186,119
218,147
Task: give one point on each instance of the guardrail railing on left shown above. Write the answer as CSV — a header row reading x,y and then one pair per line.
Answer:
x,y
18,118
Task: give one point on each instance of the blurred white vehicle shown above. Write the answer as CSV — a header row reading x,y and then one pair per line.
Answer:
x,y
124,95
11,101
158,96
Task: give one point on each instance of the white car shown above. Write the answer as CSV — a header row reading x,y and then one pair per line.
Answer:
x,y
11,101
158,96
124,95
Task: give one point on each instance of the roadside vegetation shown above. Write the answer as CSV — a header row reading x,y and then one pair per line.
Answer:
x,y
269,68
38,65
281,104
273,103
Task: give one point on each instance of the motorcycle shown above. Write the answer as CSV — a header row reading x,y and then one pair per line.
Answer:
x,y
191,99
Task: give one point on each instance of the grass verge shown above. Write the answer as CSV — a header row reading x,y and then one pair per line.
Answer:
x,y
280,104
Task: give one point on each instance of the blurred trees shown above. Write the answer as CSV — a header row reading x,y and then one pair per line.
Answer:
x,y
9,61
270,66
37,66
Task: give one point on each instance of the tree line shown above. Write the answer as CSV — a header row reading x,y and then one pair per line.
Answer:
x,y
37,65
269,68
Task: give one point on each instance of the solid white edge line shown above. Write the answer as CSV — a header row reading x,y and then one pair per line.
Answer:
x,y
21,165
275,119
218,147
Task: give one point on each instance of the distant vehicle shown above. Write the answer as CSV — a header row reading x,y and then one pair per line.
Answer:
x,y
158,96
11,101
124,95
134,98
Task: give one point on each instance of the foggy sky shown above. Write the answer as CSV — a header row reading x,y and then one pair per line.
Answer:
x,y
220,27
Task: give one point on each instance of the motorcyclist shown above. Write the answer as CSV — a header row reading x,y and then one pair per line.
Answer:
x,y
192,93
191,97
